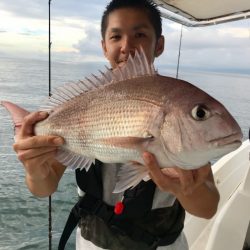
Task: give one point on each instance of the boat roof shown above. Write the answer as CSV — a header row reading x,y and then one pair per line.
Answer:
x,y
204,12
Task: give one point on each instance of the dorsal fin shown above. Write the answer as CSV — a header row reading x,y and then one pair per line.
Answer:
x,y
136,66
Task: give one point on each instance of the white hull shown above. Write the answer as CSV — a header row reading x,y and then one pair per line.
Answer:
x,y
229,229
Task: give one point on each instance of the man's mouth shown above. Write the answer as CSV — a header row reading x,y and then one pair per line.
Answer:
x,y
121,62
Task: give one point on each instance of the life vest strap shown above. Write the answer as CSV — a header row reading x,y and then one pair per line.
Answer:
x,y
89,204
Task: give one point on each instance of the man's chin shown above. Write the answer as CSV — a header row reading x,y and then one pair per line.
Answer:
x,y
121,64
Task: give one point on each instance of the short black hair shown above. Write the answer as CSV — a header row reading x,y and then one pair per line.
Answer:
x,y
146,5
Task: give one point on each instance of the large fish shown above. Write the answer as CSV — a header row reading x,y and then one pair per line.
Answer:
x,y
124,112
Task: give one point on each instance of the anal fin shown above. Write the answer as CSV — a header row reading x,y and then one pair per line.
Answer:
x,y
74,161
130,175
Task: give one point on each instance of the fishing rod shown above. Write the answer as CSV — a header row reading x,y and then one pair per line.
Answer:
x,y
50,199
179,54
49,52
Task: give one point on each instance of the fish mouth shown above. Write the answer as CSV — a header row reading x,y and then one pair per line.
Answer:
x,y
232,140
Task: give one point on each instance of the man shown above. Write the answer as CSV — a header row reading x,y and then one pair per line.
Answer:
x,y
127,26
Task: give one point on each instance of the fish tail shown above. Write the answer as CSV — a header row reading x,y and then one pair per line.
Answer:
x,y
17,114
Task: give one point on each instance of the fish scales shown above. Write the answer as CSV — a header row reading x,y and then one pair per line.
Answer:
x,y
119,112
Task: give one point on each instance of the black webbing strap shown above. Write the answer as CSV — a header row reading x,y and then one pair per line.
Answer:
x,y
137,206
88,204
138,234
94,206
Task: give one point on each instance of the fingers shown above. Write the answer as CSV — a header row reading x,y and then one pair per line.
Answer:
x,y
37,153
43,166
190,180
164,182
203,174
41,159
37,161
186,179
175,180
24,155
171,172
28,123
152,165
38,142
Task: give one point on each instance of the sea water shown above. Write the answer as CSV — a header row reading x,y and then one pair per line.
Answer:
x,y
23,217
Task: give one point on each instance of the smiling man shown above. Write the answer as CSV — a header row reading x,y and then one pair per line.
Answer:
x,y
155,210
128,29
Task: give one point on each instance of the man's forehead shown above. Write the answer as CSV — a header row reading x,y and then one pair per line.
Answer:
x,y
132,17
136,27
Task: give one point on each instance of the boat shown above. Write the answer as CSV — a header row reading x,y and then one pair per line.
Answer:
x,y
229,229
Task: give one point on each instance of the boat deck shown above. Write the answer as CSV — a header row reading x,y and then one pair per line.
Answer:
x,y
229,228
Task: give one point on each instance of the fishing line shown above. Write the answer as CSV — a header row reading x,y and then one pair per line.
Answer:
x,y
179,54
50,198
51,226
249,28
49,52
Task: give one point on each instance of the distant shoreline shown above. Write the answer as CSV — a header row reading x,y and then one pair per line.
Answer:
x,y
161,67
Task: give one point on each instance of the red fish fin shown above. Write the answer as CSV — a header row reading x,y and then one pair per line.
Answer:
x,y
17,114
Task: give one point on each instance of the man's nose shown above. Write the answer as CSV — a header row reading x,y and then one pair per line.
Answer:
x,y
128,46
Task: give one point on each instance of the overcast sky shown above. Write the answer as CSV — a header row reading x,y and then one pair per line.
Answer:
x,y
76,37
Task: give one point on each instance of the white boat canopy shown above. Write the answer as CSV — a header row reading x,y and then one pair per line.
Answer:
x,y
204,12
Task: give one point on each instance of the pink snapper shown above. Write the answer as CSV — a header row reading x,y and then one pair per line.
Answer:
x,y
116,117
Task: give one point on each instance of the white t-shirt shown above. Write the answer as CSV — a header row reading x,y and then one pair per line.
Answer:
x,y
161,199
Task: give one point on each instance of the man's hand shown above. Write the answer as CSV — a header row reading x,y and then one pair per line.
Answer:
x,y
37,153
175,180
195,189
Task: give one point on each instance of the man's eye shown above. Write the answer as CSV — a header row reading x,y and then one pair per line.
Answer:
x,y
140,35
115,37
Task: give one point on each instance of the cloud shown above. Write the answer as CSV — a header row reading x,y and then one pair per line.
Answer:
x,y
70,36
25,8
223,47
60,8
75,34
238,32
216,37
91,43
80,9
75,27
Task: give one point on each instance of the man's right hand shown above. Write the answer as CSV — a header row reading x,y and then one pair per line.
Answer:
x,y
37,153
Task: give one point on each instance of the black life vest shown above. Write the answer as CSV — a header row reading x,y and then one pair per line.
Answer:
x,y
138,227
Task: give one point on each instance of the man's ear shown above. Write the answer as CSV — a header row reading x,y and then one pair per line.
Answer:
x,y
159,46
104,49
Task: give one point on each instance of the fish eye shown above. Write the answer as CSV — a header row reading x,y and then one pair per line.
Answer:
x,y
200,113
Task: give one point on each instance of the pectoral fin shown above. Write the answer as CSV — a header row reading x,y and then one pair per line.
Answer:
x,y
127,142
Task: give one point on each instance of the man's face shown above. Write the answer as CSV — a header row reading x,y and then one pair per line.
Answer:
x,y
129,29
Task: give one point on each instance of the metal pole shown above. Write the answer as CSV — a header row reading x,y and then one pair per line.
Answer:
x,y
179,55
49,53
50,224
50,200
